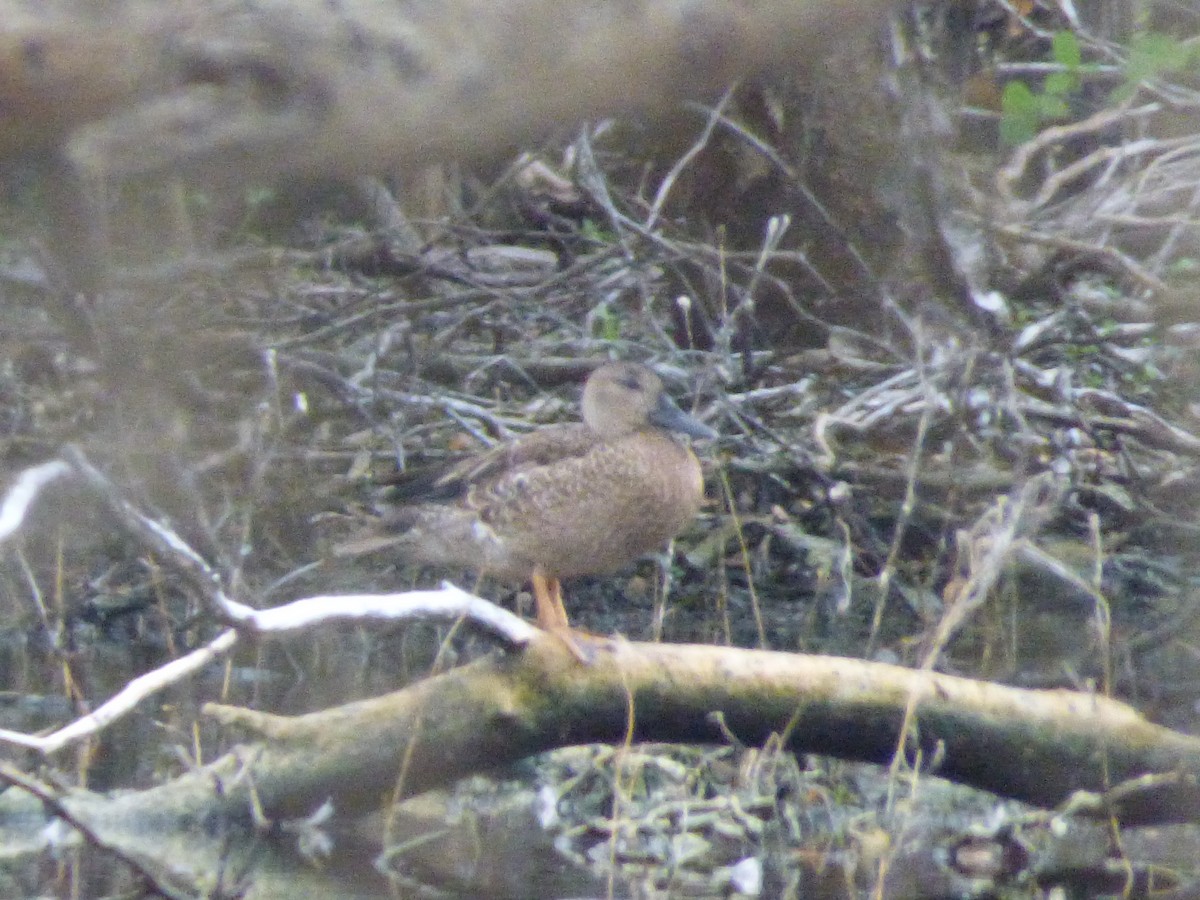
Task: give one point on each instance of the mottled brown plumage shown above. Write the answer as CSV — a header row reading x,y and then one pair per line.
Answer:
x,y
564,500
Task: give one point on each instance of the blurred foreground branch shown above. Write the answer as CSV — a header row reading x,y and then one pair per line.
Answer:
x,y
235,92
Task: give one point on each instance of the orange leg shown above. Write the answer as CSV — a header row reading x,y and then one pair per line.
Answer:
x,y
547,599
551,614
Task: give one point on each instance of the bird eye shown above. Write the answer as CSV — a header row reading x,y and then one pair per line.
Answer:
x,y
632,382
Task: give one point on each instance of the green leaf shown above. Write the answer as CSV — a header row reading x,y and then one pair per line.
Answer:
x,y
1050,107
1065,47
606,325
1123,92
1019,113
1017,99
1059,84
595,231
1153,53
1014,132
1185,265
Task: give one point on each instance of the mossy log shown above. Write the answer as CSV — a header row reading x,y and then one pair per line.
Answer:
x,y
1036,746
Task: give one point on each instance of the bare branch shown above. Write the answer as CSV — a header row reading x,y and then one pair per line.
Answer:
x,y
24,491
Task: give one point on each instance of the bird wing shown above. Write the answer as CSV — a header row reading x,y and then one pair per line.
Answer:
x,y
544,447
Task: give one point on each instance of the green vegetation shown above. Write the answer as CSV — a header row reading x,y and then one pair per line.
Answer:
x,y
1024,111
1152,54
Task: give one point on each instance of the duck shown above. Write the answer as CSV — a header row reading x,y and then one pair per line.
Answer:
x,y
585,498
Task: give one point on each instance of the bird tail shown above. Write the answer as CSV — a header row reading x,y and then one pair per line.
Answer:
x,y
388,533
368,543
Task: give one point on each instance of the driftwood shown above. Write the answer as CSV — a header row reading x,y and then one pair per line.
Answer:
x,y
1037,746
